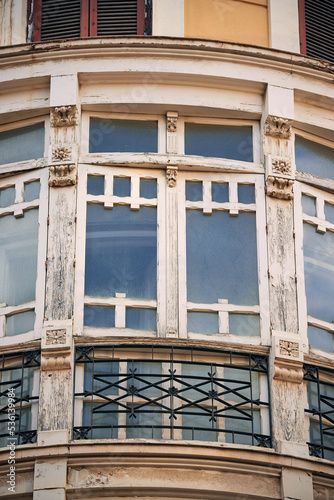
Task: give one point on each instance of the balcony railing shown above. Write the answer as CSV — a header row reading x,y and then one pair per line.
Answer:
x,y
164,392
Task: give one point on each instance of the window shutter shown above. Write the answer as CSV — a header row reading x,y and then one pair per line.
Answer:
x,y
60,19
319,20
117,17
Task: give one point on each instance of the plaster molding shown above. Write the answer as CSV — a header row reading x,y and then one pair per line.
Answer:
x,y
288,374
56,359
281,167
61,153
278,127
62,175
172,122
172,136
278,187
64,116
55,337
288,357
171,176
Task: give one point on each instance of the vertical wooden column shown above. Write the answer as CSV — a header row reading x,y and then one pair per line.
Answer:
x,y
287,390
56,392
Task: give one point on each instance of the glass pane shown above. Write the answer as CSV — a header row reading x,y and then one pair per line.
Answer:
x,y
321,339
238,383
148,188
95,185
31,191
195,382
206,431
319,273
220,192
244,324
308,205
314,158
7,197
221,258
20,323
145,378
105,376
150,418
203,322
121,252
141,319
18,258
219,141
123,136
329,212
246,193
22,144
238,422
122,186
95,415
194,191
99,316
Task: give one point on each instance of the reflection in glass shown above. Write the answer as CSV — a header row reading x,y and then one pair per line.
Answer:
x,y
308,205
20,323
314,158
99,316
320,338
122,186
94,415
244,324
246,193
7,196
95,185
31,191
148,188
194,191
21,144
329,212
141,319
220,192
202,322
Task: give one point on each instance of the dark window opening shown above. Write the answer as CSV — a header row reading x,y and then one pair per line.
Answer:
x,y
316,21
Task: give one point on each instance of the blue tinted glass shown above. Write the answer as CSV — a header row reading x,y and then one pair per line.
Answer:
x,y
135,136
99,316
194,191
203,322
22,144
105,377
308,205
241,381
104,418
244,324
246,193
7,197
20,323
31,191
95,185
319,273
122,186
219,141
241,424
221,258
141,319
148,188
121,252
145,376
141,424
220,192
314,158
329,212
205,427
321,339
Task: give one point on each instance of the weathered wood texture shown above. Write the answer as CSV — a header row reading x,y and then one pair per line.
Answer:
x,y
55,410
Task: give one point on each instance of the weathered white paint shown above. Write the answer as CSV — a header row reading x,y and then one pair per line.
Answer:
x,y
13,22
284,25
168,18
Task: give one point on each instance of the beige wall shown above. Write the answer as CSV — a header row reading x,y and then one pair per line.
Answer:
x,y
241,21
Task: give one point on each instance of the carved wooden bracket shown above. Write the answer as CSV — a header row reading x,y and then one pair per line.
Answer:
x,y
62,175
56,359
54,337
171,176
64,116
171,125
281,167
278,127
61,154
278,187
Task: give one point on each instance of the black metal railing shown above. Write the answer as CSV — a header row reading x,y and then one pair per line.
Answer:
x,y
17,397
165,392
320,391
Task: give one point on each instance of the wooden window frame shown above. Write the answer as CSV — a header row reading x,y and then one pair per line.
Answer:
x,y
302,26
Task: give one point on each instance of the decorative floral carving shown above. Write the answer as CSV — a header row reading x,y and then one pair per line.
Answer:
x,y
62,175
280,188
62,153
171,176
278,127
64,116
281,167
289,348
171,124
55,337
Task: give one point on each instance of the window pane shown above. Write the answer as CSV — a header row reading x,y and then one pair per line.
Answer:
x,y
321,339
141,319
148,188
238,384
203,322
99,316
122,186
18,258
105,376
121,252
219,141
220,192
208,431
319,273
147,420
20,323
308,205
7,197
194,191
329,212
93,414
196,376
246,193
135,136
95,185
237,422
22,144
314,158
145,378
31,191
244,324
221,255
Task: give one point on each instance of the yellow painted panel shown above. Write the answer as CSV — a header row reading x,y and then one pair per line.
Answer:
x,y
237,21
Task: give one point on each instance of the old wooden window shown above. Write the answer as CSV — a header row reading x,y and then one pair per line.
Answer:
x,y
314,158
20,144
316,20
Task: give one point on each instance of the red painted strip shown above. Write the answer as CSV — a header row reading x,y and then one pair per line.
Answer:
x,y
302,26
37,20
93,18
140,17
84,18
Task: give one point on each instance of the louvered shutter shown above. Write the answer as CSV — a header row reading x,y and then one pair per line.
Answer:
x,y
60,19
117,17
319,23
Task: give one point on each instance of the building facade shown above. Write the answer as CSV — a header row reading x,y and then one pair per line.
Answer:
x,y
166,249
